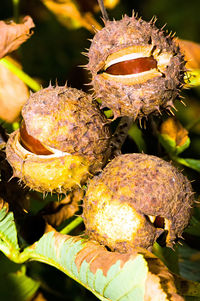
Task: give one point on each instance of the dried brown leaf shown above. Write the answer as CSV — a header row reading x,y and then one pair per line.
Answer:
x,y
153,289
39,297
195,257
57,212
174,129
99,258
188,287
10,190
13,94
12,35
160,283
155,292
1,203
4,205
191,50
93,5
110,4
69,14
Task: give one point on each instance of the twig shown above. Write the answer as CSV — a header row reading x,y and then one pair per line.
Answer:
x,y
16,10
120,135
103,10
22,75
77,221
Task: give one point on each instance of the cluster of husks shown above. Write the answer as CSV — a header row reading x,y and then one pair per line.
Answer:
x,y
63,139
136,69
134,200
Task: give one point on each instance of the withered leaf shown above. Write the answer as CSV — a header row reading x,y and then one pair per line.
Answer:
x,y
69,14
57,212
12,35
93,5
1,203
39,297
110,3
100,258
10,190
13,93
191,50
174,129
160,283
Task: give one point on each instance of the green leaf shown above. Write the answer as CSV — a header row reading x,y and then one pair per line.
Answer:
x,y
170,145
80,259
8,231
194,227
110,281
14,284
168,256
189,263
136,134
189,288
110,276
192,163
108,113
17,286
194,78
22,75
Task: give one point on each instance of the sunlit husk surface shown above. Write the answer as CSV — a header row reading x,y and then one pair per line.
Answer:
x,y
121,204
43,173
135,95
69,125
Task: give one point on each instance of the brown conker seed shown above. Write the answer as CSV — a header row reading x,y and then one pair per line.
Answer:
x,y
134,200
136,68
64,139
30,143
132,66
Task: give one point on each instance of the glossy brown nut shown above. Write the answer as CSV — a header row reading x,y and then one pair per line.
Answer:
x,y
32,144
132,66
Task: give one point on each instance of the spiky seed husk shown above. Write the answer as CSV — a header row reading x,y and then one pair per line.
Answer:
x,y
133,191
147,92
69,123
